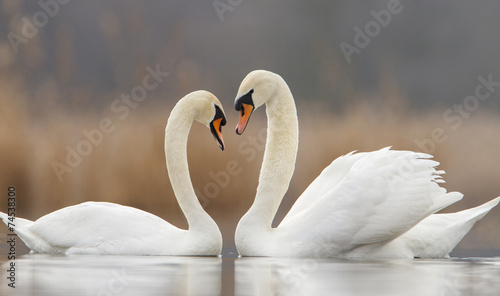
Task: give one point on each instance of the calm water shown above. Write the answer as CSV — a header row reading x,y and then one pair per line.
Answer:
x,y
152,275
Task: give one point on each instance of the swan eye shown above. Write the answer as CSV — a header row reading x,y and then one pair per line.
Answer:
x,y
219,115
216,126
244,99
245,106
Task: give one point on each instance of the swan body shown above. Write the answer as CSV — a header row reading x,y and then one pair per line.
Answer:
x,y
363,205
108,228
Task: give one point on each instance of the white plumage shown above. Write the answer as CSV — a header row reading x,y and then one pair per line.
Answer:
x,y
108,228
363,205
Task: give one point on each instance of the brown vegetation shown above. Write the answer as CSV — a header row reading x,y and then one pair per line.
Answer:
x,y
128,167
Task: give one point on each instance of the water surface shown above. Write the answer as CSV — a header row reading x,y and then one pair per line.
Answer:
x,y
164,275
270,276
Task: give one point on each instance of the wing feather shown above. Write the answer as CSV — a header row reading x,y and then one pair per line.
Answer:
x,y
373,197
98,223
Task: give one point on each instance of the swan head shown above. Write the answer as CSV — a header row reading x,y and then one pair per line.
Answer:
x,y
208,111
255,90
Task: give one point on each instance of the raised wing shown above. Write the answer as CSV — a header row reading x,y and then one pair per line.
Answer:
x,y
330,177
374,197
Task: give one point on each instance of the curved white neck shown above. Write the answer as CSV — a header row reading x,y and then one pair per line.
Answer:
x,y
279,160
176,136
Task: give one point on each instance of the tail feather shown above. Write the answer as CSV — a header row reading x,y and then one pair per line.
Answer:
x,y
467,218
437,235
20,227
18,223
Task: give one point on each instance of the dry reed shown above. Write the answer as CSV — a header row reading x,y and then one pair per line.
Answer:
x,y
128,167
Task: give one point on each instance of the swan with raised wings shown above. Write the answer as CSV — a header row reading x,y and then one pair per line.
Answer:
x,y
108,228
363,205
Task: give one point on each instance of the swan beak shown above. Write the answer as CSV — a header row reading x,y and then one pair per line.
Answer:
x,y
245,112
216,128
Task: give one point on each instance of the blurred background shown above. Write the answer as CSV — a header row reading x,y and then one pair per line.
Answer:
x,y
364,74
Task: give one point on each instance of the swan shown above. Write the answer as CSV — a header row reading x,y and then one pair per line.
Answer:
x,y
106,228
378,204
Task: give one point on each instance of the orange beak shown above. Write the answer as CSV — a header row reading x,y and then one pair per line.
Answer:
x,y
245,112
216,128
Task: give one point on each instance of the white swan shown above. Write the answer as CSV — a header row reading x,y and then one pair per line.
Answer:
x,y
362,205
108,228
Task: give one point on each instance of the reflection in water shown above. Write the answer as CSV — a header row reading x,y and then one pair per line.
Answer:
x,y
165,275
114,275
276,276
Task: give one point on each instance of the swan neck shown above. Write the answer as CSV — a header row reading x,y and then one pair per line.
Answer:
x,y
176,137
279,157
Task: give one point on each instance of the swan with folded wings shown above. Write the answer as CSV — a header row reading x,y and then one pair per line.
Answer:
x,y
363,205
109,228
